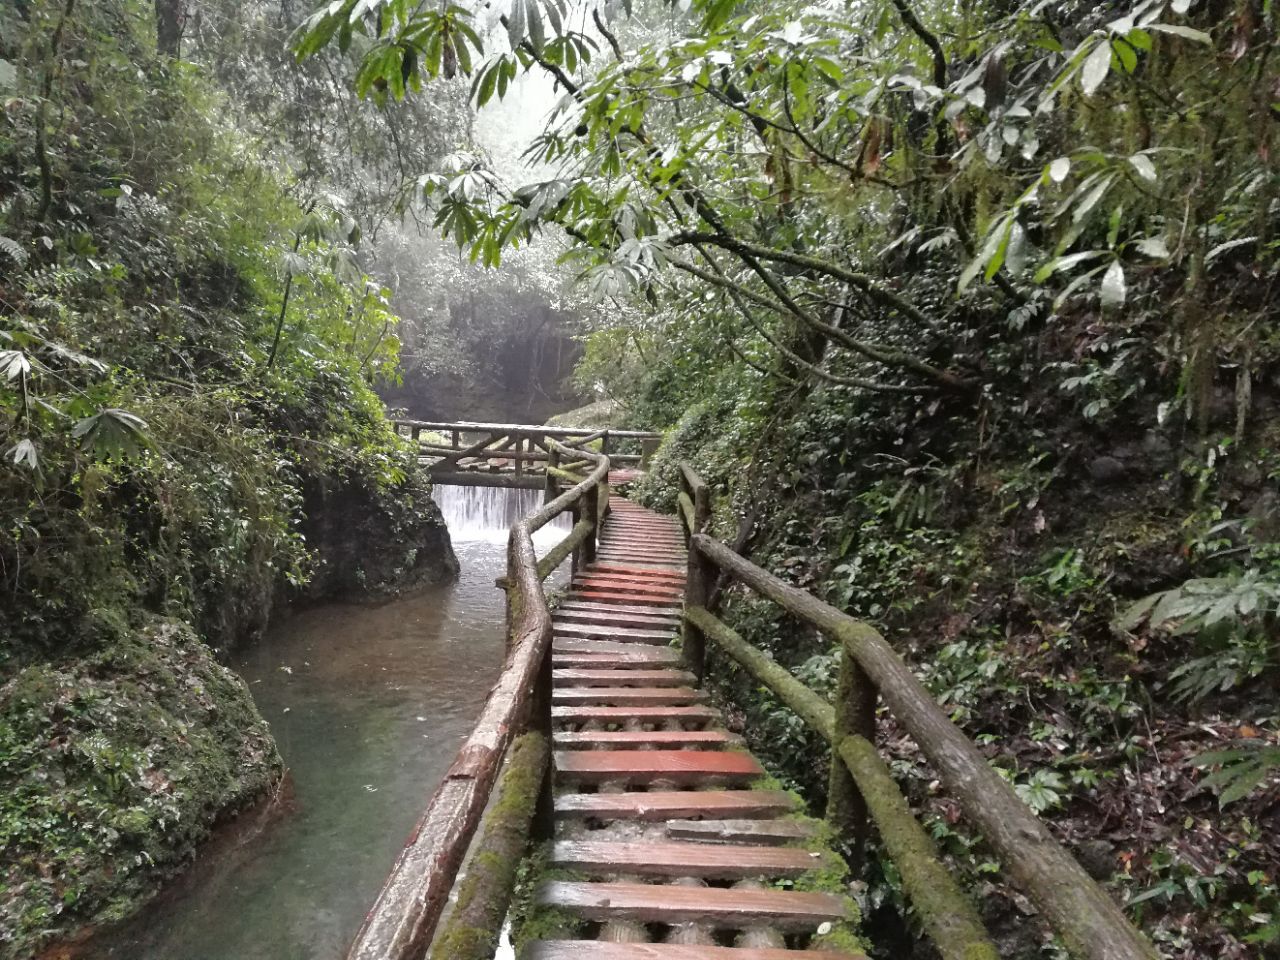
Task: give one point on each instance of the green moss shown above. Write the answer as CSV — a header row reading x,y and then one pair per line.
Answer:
x,y
841,938
484,894
113,767
533,921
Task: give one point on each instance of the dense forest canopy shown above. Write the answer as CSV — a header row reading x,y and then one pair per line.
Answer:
x,y
965,309
968,311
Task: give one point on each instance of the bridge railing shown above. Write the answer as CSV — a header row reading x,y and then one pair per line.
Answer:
x,y
862,792
508,454
403,921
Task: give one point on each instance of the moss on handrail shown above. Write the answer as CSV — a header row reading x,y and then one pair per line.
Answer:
x,y
1090,922
472,928
815,711
687,512
557,554
948,916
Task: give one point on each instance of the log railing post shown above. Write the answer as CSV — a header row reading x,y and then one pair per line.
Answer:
x,y
697,588
855,714
591,511
549,487
416,433
544,817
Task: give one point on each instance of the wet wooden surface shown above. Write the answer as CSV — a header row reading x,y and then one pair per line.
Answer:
x,y
654,800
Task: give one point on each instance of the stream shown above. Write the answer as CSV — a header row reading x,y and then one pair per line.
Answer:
x,y
368,705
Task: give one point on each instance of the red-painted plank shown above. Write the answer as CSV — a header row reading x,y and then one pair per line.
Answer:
x,y
665,804
645,739
678,765
625,569
658,583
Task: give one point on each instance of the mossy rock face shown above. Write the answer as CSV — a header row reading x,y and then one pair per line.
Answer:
x,y
372,544
113,767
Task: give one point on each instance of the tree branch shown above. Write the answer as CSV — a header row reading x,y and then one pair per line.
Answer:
x,y
734,291
859,281
607,34
920,30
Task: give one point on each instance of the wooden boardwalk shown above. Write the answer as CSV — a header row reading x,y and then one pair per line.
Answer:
x,y
676,852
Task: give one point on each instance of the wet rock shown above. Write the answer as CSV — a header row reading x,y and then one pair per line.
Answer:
x,y
1265,514
1097,857
1106,470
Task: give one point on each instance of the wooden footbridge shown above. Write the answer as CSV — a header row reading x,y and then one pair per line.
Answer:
x,y
629,823
513,454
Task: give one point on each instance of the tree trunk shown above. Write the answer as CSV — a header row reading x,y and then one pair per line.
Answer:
x,y
170,18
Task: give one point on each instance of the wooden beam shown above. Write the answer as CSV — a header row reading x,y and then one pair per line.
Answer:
x,y
1076,906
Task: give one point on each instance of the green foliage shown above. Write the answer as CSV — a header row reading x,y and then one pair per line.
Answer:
x,y
187,358
938,297
146,742
186,351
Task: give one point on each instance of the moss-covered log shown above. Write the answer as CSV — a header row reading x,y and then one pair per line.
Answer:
x,y
945,912
560,552
471,931
1080,910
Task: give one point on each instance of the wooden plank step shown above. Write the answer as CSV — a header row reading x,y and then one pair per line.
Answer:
x,y
572,611
627,586
679,562
684,859
600,950
645,739
626,696
629,579
583,713
670,603
626,570
587,677
671,561
572,605
641,545
604,631
732,831
640,657
683,766
625,648
732,909
665,804
625,591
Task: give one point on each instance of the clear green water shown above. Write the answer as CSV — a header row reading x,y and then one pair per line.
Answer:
x,y
368,705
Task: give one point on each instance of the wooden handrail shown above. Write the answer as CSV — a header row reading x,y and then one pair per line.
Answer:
x,y
404,917
1090,922
524,428
945,912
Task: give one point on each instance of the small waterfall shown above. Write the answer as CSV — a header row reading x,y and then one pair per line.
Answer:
x,y
487,513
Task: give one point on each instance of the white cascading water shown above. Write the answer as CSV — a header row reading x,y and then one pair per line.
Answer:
x,y
487,513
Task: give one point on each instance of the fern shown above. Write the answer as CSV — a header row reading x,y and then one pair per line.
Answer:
x,y
13,250
1240,769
